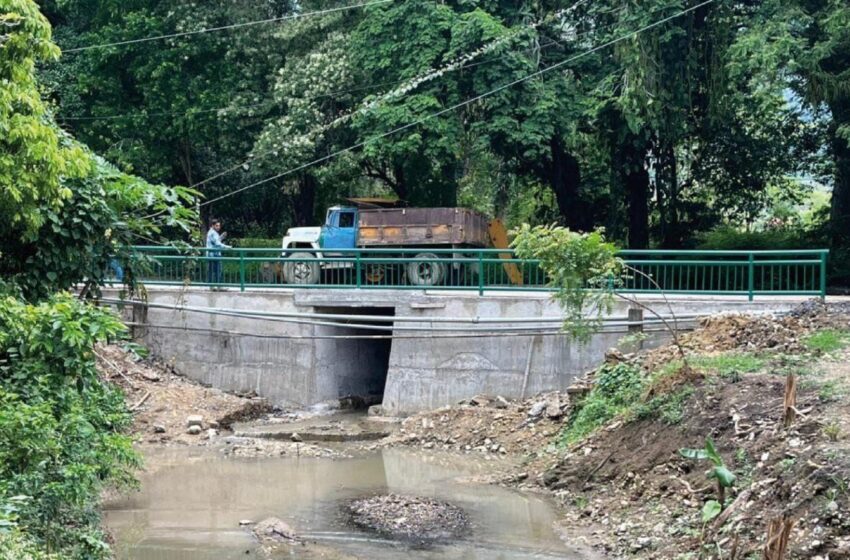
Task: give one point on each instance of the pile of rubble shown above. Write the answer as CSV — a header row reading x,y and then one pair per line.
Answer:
x,y
409,518
487,424
748,333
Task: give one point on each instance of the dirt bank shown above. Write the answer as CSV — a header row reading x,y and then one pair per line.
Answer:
x,y
628,488
163,401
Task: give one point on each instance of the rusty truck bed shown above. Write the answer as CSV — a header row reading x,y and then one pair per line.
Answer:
x,y
393,227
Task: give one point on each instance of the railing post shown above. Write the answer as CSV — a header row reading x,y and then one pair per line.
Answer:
x,y
480,273
751,277
357,269
823,276
241,270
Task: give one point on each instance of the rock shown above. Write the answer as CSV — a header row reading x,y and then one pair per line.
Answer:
x,y
195,420
296,438
553,407
274,530
499,402
537,409
194,430
244,522
376,410
150,375
214,425
158,429
211,433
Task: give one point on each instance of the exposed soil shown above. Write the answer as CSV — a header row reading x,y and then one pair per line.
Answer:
x,y
628,489
162,401
409,518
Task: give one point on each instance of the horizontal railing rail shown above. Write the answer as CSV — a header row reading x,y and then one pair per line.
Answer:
x,y
747,273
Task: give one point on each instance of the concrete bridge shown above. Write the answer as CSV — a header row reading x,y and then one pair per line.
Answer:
x,y
409,350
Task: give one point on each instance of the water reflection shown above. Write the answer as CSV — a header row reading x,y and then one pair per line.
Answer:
x,y
192,500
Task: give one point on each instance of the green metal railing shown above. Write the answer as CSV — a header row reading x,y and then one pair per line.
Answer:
x,y
749,273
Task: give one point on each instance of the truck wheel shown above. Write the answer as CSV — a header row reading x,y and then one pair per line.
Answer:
x,y
374,273
427,272
297,271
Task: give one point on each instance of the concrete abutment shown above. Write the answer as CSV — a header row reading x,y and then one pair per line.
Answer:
x,y
303,363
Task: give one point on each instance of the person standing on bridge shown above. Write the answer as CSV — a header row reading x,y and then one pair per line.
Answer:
x,y
214,246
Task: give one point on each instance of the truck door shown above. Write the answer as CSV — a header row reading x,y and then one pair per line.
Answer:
x,y
340,231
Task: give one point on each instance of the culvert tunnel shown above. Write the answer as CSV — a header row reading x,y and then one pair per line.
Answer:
x,y
355,358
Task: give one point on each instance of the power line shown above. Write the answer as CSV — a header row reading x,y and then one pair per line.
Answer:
x,y
264,103
226,27
458,63
371,336
457,105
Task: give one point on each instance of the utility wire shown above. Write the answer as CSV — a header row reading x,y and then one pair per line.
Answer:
x,y
268,103
477,320
226,27
368,336
458,63
457,105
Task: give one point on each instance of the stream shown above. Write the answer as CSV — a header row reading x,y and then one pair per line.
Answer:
x,y
191,501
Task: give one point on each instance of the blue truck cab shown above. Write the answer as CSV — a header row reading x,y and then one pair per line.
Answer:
x,y
340,228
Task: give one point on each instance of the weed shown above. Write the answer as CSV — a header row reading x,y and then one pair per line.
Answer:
x,y
797,364
785,465
669,407
730,364
827,340
617,388
580,502
829,391
832,431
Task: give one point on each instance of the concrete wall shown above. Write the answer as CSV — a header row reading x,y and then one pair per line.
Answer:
x,y
271,359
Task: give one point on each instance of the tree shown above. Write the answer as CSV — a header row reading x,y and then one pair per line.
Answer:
x,y
33,155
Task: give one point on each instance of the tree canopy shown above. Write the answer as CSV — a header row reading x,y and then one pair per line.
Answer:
x,y
658,120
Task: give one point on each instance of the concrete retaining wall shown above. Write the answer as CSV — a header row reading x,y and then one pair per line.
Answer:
x,y
271,359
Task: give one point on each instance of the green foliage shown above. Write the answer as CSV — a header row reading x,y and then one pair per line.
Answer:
x,y
710,510
60,424
618,387
34,155
729,238
669,407
16,546
729,364
64,212
827,340
104,216
582,267
719,471
255,243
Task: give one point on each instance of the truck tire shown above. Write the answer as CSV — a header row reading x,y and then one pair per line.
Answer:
x,y
296,271
426,273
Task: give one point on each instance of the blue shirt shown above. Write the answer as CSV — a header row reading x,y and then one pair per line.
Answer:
x,y
214,242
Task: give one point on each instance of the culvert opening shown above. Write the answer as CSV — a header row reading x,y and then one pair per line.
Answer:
x,y
358,358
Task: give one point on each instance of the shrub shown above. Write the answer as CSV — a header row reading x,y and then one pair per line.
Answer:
x,y
60,423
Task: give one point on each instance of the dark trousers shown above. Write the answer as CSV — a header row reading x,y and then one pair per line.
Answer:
x,y
214,271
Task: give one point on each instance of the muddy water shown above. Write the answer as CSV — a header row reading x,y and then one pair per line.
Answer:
x,y
191,502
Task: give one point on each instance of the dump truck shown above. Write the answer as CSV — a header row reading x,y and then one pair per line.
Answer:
x,y
381,224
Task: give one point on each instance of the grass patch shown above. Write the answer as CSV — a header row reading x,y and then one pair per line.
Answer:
x,y
827,340
729,364
623,390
